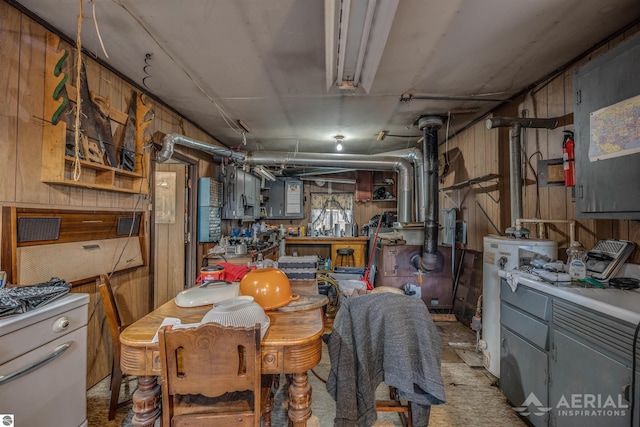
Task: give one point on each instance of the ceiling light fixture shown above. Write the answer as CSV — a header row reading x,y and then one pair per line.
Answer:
x,y
264,173
339,139
355,36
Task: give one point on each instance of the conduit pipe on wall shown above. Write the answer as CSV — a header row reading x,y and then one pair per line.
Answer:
x,y
354,161
171,139
515,165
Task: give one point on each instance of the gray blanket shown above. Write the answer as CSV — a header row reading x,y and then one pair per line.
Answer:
x,y
382,337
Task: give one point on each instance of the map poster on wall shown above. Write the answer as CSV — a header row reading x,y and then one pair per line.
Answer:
x,y
615,130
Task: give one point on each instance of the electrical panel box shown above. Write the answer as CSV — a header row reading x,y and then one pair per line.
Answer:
x,y
209,210
607,100
241,195
286,197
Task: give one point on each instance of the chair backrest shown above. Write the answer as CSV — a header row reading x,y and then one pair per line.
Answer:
x,y
210,360
111,311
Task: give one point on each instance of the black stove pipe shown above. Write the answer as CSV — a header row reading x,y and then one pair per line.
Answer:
x,y
430,259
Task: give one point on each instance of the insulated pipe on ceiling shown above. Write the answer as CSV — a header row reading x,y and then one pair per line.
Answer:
x,y
354,161
415,156
171,139
515,165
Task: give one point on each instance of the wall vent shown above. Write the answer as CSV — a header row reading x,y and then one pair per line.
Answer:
x,y
31,229
124,226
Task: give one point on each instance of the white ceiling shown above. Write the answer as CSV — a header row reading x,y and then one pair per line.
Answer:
x,y
264,61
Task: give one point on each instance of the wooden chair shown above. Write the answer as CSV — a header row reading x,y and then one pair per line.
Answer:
x,y
394,404
115,328
211,376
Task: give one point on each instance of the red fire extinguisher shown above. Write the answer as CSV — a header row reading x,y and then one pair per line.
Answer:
x,y
568,159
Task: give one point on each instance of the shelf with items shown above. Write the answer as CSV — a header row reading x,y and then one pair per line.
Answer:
x,y
375,186
88,164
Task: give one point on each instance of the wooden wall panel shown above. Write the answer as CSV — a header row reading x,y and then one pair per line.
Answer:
x,y
30,111
9,77
22,125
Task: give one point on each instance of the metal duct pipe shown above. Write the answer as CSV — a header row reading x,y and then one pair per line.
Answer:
x,y
515,149
430,260
415,156
402,166
171,139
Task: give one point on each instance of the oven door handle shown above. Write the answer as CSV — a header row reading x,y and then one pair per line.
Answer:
x,y
5,379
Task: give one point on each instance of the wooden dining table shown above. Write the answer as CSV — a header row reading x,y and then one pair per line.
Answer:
x,y
292,345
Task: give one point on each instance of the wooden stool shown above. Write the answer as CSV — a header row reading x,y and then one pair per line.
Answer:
x,y
345,254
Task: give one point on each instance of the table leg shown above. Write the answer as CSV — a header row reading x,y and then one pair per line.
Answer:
x,y
146,402
299,400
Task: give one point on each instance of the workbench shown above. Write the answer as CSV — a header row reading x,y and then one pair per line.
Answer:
x,y
326,247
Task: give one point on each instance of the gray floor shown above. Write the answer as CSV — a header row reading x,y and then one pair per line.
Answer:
x,y
472,397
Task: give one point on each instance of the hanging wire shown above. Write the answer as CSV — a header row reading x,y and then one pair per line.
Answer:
x,y
95,21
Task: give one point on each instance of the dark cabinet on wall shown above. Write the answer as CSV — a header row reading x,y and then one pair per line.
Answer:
x,y
241,198
285,199
607,137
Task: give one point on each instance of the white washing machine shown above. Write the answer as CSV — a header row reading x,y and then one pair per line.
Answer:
x,y
503,253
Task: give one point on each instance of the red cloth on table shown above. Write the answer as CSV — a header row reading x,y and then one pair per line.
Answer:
x,y
233,272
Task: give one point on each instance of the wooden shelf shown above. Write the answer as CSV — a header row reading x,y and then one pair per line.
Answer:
x,y
368,181
57,166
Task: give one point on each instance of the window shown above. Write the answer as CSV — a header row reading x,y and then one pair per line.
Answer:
x,y
331,211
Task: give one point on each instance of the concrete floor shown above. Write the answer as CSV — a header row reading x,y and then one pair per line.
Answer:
x,y
473,399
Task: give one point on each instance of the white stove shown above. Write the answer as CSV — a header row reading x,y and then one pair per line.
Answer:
x,y
43,363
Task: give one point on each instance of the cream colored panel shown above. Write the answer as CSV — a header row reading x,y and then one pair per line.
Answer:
x,y
76,260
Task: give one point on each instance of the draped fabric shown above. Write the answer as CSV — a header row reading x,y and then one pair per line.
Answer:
x,y
333,201
330,209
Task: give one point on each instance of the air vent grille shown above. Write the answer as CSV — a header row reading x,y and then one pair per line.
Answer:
x,y
31,229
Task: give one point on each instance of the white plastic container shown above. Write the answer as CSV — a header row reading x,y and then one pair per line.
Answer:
x,y
576,261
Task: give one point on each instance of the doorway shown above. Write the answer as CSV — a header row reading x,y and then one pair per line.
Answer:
x,y
173,228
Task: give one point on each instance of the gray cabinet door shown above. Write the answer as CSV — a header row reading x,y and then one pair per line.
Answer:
x,y
605,188
275,204
285,199
233,198
590,383
523,377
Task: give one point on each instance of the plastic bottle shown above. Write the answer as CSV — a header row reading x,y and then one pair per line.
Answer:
x,y
259,261
576,261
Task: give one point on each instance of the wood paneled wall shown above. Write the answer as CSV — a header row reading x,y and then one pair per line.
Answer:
x,y
22,51
487,151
